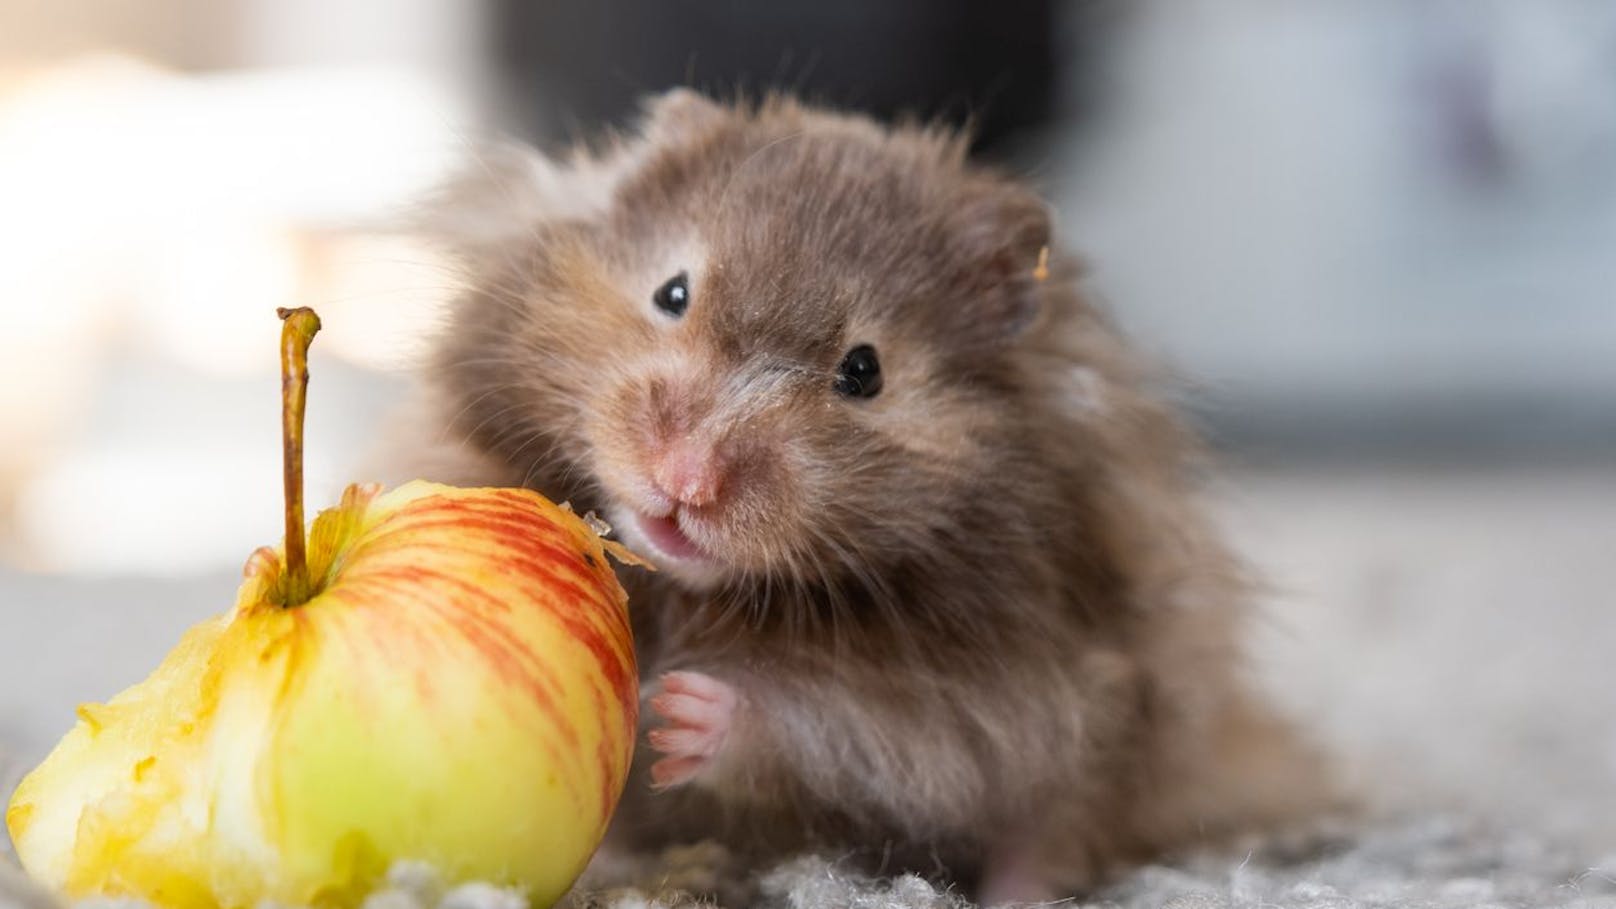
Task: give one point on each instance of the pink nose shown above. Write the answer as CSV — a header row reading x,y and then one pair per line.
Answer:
x,y
690,473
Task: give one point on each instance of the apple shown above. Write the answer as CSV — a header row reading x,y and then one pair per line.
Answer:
x,y
436,674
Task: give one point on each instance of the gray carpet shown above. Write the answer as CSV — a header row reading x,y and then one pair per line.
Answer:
x,y
1426,864
1433,863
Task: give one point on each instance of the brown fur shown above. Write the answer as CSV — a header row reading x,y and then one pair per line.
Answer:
x,y
977,612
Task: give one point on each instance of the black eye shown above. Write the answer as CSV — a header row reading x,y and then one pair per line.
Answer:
x,y
859,376
674,296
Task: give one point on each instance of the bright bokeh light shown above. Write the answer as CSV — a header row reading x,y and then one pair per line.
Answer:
x,y
152,223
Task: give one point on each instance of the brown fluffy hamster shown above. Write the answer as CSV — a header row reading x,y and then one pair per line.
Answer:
x,y
934,589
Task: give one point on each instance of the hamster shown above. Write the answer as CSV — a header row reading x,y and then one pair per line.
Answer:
x,y
934,589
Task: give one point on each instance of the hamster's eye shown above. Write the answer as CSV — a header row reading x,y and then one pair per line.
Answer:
x,y
859,376
673,296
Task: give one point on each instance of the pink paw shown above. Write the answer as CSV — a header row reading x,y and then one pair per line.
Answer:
x,y
697,710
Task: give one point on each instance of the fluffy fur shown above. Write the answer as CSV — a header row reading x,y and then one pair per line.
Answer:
x,y
977,622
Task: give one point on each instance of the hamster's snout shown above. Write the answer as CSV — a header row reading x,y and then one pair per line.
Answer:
x,y
690,472
689,476
685,449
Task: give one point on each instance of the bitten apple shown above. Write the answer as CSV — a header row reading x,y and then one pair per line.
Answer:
x,y
439,674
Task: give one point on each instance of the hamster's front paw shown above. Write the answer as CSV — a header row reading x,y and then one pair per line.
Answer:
x,y
697,711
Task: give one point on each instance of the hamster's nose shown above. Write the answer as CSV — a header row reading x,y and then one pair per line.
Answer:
x,y
690,473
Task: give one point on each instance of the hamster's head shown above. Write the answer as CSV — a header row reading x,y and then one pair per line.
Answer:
x,y
767,343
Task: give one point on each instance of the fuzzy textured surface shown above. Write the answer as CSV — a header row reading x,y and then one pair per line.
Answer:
x,y
1447,632
1426,864
1433,863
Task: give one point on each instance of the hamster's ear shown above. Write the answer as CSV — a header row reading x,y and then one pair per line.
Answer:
x,y
680,114
1003,242
503,192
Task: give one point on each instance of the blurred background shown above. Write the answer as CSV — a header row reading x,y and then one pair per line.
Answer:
x,y
1377,239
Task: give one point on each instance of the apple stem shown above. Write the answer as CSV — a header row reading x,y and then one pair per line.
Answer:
x,y
297,332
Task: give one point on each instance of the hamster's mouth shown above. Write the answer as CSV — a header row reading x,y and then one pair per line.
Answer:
x,y
669,539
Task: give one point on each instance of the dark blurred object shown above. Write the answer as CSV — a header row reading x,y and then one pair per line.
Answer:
x,y
565,67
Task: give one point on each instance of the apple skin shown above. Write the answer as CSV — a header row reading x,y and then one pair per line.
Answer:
x,y
460,690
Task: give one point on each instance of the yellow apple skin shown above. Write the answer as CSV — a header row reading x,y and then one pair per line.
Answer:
x,y
460,690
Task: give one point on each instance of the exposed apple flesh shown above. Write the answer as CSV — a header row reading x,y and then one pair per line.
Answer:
x,y
458,687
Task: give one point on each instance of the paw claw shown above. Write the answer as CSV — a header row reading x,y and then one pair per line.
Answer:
x,y
670,772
